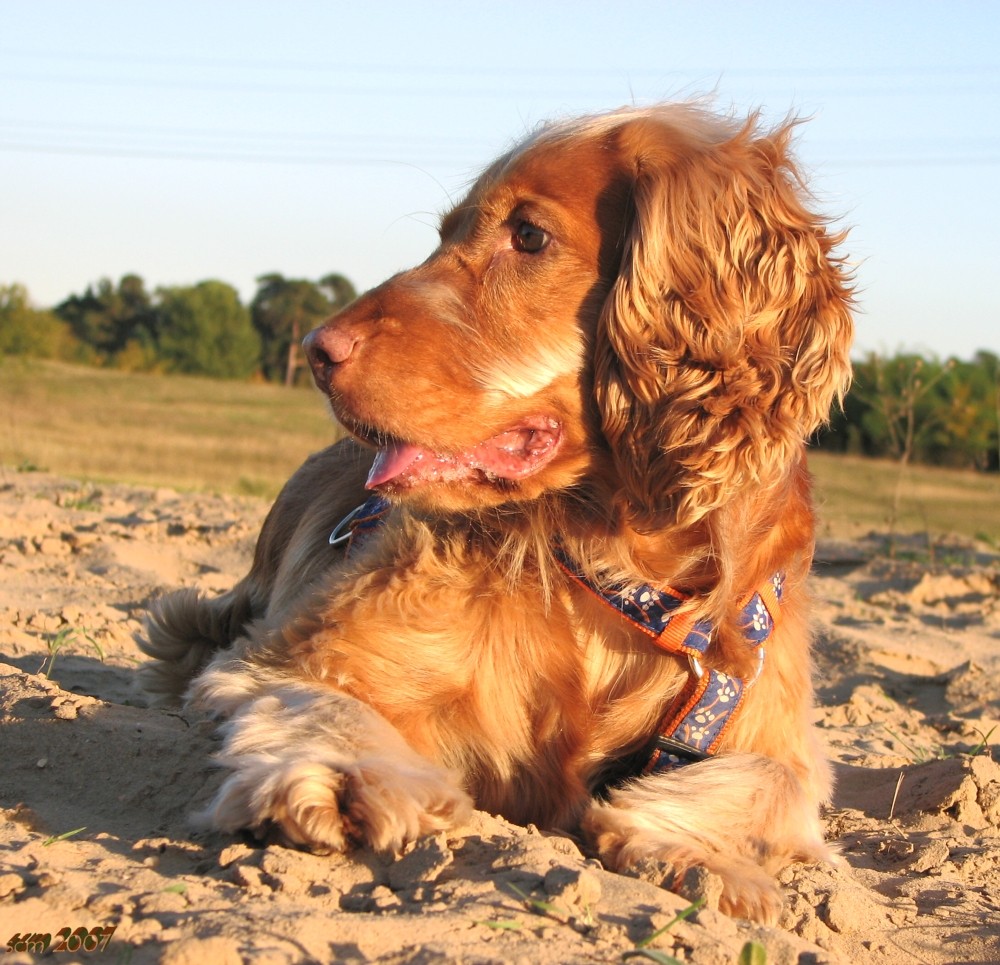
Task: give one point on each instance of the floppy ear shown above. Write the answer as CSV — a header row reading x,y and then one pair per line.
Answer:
x,y
726,335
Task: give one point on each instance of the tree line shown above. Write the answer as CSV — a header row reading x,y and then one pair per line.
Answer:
x,y
907,407
201,329
926,410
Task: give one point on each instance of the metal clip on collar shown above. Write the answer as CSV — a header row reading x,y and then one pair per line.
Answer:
x,y
342,531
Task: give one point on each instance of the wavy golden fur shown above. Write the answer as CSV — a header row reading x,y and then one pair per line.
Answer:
x,y
630,328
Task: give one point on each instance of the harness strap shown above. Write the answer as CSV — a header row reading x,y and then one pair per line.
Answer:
x,y
696,721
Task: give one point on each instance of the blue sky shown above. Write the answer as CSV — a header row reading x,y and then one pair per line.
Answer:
x,y
218,139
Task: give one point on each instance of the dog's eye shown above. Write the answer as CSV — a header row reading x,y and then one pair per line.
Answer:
x,y
529,238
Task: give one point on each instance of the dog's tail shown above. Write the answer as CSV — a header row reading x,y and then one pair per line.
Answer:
x,y
183,631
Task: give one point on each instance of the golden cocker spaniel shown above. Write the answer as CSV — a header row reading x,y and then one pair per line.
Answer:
x,y
576,596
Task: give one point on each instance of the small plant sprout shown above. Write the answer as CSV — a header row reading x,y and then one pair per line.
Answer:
x,y
503,924
752,953
552,910
62,837
652,955
65,637
642,949
983,744
919,755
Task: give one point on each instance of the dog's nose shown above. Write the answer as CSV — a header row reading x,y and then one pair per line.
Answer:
x,y
326,347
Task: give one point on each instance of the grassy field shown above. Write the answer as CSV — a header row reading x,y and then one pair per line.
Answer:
x,y
189,433
855,496
200,434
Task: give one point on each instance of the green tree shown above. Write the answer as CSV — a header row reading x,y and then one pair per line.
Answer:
x,y
204,329
963,435
25,330
284,310
109,318
988,364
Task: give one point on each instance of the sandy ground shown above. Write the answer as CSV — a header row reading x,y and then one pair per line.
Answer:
x,y
96,791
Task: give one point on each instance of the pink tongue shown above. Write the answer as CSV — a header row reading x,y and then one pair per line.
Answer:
x,y
391,461
511,454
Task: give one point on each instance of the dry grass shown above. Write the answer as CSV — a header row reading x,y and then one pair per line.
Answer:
x,y
855,496
246,438
189,433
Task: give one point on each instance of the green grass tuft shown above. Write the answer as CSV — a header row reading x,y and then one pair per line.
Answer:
x,y
62,837
752,953
65,637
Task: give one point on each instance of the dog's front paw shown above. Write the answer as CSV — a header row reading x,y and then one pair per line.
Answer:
x,y
321,768
393,804
326,806
623,844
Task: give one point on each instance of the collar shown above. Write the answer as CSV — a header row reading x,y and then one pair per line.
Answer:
x,y
696,721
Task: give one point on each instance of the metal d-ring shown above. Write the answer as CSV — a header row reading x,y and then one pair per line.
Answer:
x,y
699,671
341,532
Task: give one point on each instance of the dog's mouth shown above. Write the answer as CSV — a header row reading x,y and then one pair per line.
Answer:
x,y
510,455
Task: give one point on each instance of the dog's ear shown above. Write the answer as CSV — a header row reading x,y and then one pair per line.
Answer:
x,y
726,335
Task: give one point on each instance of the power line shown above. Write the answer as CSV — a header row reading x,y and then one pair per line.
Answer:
x,y
409,141
341,160
354,89
60,129
410,70
480,82
217,156
914,162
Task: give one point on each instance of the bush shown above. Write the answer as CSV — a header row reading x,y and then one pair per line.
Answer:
x,y
29,331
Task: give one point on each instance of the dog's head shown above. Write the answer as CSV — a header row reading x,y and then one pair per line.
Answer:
x,y
640,297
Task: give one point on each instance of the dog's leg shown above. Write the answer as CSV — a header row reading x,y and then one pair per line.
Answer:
x,y
319,765
741,816
747,813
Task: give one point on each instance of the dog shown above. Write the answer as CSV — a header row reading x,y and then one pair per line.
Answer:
x,y
557,569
